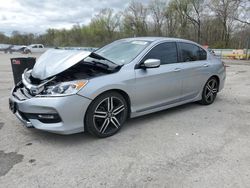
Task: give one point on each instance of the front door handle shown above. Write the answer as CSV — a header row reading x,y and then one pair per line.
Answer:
x,y
177,70
205,65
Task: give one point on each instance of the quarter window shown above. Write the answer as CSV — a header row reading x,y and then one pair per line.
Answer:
x,y
202,54
191,52
166,52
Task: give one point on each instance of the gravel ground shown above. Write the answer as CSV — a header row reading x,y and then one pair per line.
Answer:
x,y
187,146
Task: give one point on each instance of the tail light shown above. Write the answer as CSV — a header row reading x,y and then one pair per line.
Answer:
x,y
224,65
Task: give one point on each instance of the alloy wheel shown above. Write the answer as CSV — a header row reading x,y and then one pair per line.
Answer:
x,y
211,90
108,115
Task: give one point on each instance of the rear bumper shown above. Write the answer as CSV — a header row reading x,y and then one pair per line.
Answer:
x,y
222,76
70,109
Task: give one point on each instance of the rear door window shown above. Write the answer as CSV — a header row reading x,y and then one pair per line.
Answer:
x,y
202,54
166,52
191,52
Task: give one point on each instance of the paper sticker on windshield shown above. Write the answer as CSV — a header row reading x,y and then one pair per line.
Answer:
x,y
139,42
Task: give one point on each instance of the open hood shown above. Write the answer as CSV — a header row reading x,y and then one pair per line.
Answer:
x,y
53,62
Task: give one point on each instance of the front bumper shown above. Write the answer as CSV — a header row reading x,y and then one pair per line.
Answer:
x,y
70,109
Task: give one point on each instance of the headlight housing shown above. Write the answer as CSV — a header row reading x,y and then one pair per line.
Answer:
x,y
63,89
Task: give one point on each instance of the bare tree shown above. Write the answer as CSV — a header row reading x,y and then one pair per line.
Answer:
x,y
157,9
191,10
180,8
221,23
226,11
109,20
194,14
135,18
172,20
243,14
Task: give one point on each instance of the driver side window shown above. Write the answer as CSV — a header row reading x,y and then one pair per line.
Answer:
x,y
166,52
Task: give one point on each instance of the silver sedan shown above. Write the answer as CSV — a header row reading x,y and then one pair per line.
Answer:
x,y
74,91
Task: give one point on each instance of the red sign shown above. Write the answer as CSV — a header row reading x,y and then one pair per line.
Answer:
x,y
16,62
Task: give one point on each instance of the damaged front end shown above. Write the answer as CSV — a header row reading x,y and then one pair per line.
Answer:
x,y
39,101
33,89
30,87
25,89
49,78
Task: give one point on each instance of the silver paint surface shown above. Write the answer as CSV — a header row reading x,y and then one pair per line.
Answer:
x,y
149,90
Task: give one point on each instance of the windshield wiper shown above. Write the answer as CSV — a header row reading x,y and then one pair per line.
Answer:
x,y
95,63
102,58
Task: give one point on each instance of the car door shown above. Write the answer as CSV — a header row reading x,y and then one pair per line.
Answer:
x,y
40,48
35,49
157,87
194,68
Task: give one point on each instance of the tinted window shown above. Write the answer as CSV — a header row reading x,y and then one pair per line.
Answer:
x,y
191,52
202,54
166,52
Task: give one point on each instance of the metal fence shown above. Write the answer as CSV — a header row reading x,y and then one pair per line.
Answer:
x,y
233,53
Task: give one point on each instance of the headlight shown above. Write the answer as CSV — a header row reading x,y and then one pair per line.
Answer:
x,y
64,88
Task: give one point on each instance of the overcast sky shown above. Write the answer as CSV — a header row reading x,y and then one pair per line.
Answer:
x,y
37,16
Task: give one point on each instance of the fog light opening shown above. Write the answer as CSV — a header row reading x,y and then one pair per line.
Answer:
x,y
47,116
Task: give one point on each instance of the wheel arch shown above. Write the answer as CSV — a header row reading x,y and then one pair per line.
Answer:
x,y
217,78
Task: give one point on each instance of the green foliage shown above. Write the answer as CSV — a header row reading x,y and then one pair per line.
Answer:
x,y
211,22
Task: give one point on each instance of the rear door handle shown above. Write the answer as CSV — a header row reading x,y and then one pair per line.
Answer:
x,y
205,65
177,70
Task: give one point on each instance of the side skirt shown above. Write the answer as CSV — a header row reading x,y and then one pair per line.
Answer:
x,y
150,110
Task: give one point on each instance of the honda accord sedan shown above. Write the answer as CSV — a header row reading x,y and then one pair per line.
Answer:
x,y
74,91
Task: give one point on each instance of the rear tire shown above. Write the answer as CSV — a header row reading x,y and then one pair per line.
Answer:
x,y
210,91
106,114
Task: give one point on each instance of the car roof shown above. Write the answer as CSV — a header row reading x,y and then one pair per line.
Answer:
x,y
154,39
35,44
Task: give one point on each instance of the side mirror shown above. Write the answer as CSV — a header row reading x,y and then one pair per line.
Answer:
x,y
151,63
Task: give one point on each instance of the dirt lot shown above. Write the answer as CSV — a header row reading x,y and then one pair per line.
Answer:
x,y
188,146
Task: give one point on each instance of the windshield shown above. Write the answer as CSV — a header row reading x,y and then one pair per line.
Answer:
x,y
122,52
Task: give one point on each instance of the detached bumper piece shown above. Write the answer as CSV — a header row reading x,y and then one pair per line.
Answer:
x,y
25,121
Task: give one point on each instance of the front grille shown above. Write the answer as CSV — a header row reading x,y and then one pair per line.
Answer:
x,y
21,93
26,92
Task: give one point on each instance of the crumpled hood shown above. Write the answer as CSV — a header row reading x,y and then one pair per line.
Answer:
x,y
53,62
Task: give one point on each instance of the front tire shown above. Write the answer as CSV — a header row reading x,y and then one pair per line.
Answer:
x,y
210,91
106,114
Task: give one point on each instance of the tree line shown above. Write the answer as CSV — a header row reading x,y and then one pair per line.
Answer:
x,y
217,23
